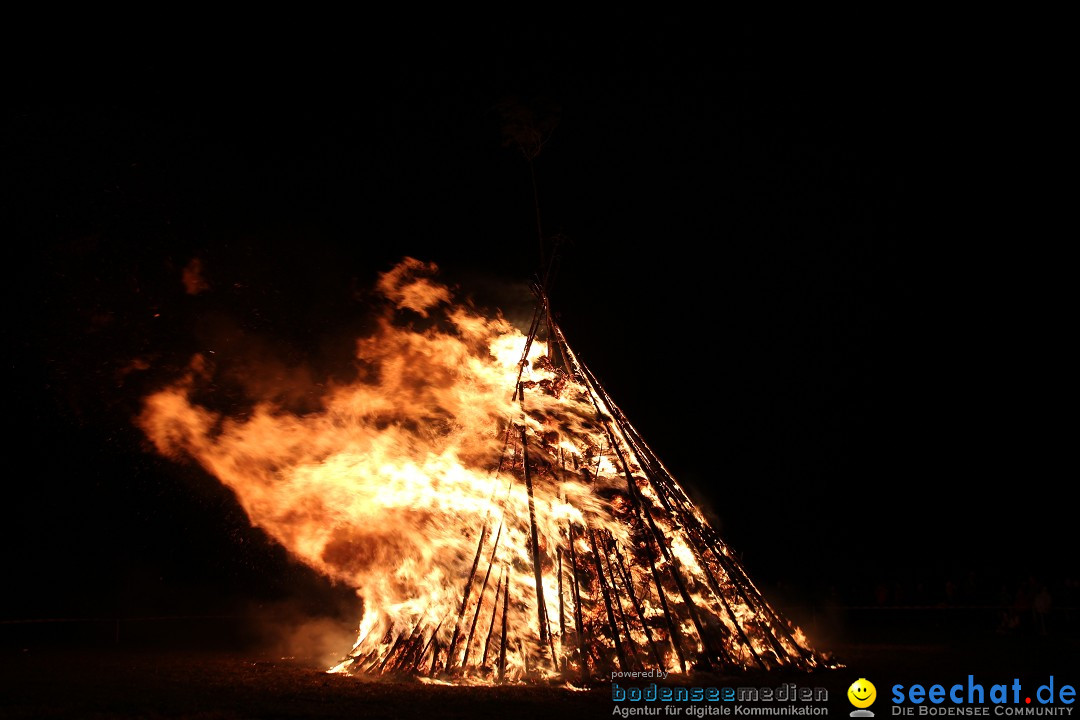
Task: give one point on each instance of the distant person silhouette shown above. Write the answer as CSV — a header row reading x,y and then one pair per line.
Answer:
x,y
1040,608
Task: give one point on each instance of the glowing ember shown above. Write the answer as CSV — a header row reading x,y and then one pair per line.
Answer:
x,y
494,509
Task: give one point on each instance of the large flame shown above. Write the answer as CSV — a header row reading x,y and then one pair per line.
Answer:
x,y
495,511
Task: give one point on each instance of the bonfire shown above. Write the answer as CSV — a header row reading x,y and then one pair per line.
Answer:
x,y
495,510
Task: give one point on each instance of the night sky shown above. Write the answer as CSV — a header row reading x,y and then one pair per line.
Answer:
x,y
817,265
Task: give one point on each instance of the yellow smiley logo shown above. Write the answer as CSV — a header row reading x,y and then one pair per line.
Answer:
x,y
862,693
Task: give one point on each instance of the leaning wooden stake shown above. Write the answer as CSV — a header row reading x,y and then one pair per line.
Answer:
x,y
618,603
494,614
519,391
430,642
404,648
612,627
628,583
502,644
465,597
562,611
541,608
392,653
673,629
434,659
480,597
578,620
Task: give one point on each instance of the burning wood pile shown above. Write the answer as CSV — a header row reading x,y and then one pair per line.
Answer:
x,y
499,516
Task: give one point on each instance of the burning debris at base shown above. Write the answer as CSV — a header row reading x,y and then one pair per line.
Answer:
x,y
495,510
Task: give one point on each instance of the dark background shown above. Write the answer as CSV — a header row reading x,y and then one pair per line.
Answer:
x,y
818,263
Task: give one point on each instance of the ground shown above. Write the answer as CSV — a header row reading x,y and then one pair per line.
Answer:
x,y
221,684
